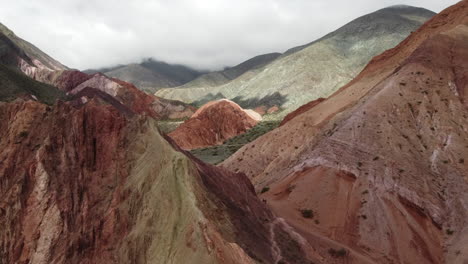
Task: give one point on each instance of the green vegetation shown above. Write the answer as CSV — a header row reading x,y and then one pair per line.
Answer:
x,y
217,154
265,189
307,213
14,84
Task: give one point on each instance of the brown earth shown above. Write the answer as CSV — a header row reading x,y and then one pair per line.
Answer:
x,y
381,164
214,123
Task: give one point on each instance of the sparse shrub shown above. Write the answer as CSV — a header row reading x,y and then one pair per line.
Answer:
x,y
23,134
291,188
337,253
445,161
365,192
359,164
375,158
449,232
307,213
461,161
317,221
265,189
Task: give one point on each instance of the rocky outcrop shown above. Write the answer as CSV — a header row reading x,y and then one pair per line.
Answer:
x,y
379,169
214,123
314,70
86,183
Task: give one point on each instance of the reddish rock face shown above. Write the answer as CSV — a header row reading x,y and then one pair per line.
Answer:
x,y
89,184
262,110
212,124
379,169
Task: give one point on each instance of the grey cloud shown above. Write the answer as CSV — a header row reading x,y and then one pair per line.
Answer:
x,y
206,34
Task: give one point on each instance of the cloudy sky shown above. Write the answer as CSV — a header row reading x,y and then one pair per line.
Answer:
x,y
206,34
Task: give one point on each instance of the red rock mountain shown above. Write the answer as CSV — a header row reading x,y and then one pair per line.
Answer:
x,y
86,183
138,101
380,168
214,123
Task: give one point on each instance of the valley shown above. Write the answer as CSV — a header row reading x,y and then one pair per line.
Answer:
x,y
352,148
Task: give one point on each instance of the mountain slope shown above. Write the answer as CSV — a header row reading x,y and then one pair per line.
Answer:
x,y
87,184
16,52
151,75
315,70
222,77
14,84
380,165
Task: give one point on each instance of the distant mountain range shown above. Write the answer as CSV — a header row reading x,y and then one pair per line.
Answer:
x,y
310,71
152,75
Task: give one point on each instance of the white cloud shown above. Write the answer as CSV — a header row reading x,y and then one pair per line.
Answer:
x,y
200,33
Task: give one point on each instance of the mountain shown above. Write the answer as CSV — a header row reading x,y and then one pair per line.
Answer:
x,y
221,77
315,70
214,123
151,75
19,56
379,168
86,183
